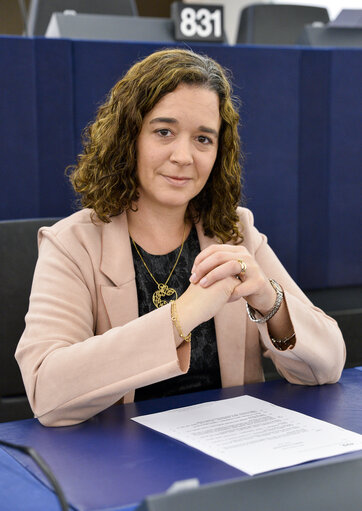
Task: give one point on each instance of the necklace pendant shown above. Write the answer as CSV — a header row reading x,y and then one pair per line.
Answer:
x,y
159,295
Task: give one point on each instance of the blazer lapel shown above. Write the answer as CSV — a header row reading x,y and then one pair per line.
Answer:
x,y
230,327
121,303
117,264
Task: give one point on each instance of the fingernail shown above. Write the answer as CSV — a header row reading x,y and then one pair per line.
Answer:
x,y
203,281
193,277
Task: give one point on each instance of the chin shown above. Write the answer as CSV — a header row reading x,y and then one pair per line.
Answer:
x,y
175,200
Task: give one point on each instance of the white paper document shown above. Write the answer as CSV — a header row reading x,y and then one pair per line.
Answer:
x,y
253,435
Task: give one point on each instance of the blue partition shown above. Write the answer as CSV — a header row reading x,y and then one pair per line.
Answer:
x,y
345,169
313,172
18,133
300,126
268,85
97,67
55,123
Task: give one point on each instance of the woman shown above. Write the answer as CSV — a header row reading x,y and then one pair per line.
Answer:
x,y
159,254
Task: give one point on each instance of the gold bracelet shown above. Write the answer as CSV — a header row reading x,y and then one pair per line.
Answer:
x,y
175,321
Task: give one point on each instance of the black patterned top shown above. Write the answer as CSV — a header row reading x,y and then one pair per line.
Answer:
x,y
204,372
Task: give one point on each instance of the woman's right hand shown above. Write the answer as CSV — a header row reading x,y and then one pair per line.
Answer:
x,y
198,304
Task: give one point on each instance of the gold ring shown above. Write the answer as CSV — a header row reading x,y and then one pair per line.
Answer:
x,y
243,267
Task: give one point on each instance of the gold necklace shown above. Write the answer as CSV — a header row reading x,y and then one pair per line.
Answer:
x,y
162,289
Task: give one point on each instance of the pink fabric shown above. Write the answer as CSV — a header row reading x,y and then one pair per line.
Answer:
x,y
84,346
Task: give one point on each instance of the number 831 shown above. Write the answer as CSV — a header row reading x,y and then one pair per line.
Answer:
x,y
201,22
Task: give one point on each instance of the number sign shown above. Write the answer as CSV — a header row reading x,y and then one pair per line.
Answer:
x,y
198,22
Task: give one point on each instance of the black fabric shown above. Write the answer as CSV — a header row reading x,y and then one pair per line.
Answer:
x,y
204,372
18,255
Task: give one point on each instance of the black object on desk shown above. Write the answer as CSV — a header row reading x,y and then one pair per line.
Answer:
x,y
328,485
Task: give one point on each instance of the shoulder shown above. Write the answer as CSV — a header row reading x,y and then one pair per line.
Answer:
x,y
82,229
76,226
246,217
252,238
73,235
80,218
246,221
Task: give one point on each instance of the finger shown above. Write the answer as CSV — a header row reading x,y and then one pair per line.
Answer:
x,y
204,254
229,284
241,290
228,269
214,261
212,249
248,287
237,293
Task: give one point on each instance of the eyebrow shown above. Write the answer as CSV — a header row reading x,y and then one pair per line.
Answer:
x,y
168,120
172,120
205,129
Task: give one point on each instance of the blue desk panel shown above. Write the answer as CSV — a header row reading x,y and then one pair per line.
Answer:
x,y
301,133
110,462
20,490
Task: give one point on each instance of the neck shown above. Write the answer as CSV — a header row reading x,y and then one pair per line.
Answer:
x,y
157,232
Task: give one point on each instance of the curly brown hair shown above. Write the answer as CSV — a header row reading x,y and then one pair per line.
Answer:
x,y
106,172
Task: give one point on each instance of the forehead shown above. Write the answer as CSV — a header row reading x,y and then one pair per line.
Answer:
x,y
188,102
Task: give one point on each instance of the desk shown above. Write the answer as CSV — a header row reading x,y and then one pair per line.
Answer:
x,y
110,462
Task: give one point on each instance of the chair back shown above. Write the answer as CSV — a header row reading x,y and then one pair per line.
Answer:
x,y
110,28
18,255
277,24
40,11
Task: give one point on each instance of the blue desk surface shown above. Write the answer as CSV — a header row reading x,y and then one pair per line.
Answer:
x,y
112,463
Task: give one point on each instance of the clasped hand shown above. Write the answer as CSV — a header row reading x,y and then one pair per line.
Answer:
x,y
221,262
216,280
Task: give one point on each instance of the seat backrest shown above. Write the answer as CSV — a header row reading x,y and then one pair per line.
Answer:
x,y
40,11
277,24
18,255
111,28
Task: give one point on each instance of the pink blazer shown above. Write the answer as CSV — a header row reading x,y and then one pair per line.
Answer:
x,y
84,347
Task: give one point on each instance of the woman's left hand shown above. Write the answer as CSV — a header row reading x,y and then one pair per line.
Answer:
x,y
217,262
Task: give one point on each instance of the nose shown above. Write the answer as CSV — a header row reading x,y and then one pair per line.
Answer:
x,y
181,153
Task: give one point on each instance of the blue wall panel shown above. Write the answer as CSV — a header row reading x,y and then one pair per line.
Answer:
x,y
267,82
18,130
97,67
345,169
301,132
55,114
314,169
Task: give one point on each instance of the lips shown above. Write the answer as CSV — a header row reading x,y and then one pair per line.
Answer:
x,y
177,180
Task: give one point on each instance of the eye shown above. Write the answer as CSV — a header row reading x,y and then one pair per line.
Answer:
x,y
204,140
163,132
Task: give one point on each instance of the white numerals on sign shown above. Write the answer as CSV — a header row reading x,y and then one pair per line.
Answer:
x,y
201,22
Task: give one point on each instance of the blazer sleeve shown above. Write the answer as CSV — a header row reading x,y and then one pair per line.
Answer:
x,y
319,354
69,373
